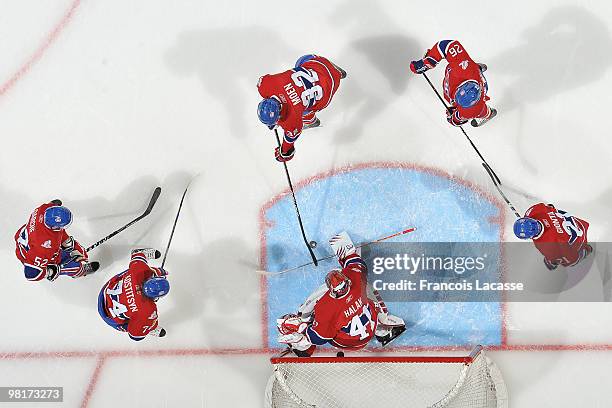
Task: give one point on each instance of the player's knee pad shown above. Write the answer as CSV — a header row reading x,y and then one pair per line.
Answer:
x,y
303,59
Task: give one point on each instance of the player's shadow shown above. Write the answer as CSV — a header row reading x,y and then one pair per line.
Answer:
x,y
568,48
377,64
211,290
228,62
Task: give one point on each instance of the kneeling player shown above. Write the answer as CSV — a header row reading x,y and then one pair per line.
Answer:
x,y
46,250
127,301
292,98
465,86
559,236
339,313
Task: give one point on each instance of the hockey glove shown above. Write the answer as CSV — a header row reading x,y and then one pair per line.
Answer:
x,y
452,116
53,272
284,156
68,244
78,253
418,67
161,272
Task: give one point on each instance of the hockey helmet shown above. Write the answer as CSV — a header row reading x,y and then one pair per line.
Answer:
x,y
468,94
525,228
337,283
156,287
269,111
57,217
303,59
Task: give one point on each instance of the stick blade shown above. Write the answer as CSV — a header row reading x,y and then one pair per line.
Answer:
x,y
154,197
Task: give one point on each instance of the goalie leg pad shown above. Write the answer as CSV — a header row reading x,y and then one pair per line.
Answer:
x,y
389,320
297,341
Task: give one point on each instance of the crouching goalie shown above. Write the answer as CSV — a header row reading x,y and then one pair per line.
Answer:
x,y
340,312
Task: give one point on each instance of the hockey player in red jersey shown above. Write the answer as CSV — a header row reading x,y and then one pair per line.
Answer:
x,y
465,87
559,236
292,98
340,312
127,301
46,250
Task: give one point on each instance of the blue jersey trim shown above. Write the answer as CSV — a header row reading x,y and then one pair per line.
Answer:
x,y
315,338
32,272
443,46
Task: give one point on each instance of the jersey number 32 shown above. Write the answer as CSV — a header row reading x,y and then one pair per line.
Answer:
x,y
307,79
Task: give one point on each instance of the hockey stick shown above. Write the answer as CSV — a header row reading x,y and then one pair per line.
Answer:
x,y
406,231
152,202
490,172
309,244
176,221
463,130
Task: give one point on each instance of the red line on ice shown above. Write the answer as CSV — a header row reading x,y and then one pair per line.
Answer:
x,y
93,381
42,48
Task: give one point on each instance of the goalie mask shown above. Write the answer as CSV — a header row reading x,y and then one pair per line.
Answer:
x,y
337,283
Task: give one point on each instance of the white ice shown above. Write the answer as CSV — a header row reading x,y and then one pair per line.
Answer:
x,y
103,100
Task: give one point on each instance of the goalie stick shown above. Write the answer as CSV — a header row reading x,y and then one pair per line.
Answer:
x,y
176,219
309,244
406,231
152,202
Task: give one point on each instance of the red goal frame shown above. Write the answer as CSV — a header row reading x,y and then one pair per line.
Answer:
x,y
382,359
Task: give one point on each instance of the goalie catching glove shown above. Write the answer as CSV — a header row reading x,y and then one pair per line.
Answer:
x,y
292,333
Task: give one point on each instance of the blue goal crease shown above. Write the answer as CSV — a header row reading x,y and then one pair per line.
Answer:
x,y
371,203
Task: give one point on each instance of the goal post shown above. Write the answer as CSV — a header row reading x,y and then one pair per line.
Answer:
x,y
470,381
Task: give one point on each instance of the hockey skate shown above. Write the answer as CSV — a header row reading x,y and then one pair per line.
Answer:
x,y
342,72
314,124
149,253
90,267
389,328
158,332
480,122
391,334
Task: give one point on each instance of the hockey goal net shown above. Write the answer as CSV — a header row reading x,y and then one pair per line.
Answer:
x,y
418,381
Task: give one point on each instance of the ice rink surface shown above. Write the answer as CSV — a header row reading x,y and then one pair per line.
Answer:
x,y
101,101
